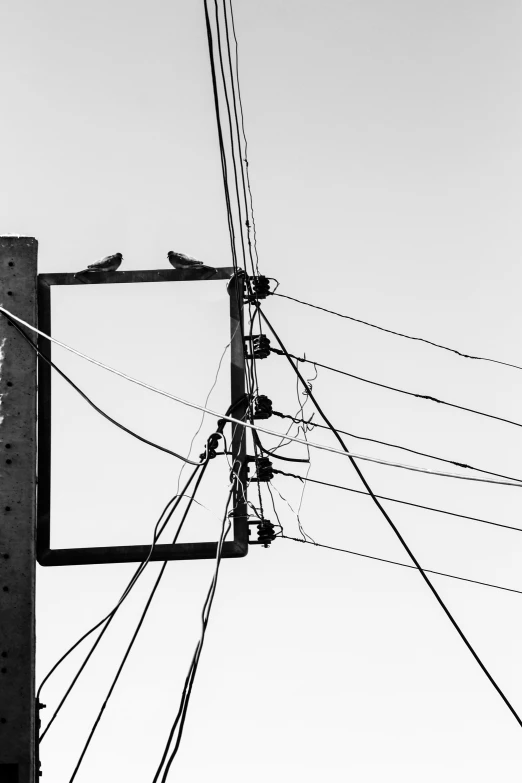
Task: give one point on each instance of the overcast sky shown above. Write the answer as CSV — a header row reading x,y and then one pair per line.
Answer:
x,y
386,168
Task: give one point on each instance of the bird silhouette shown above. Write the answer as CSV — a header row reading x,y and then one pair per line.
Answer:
x,y
181,261
107,264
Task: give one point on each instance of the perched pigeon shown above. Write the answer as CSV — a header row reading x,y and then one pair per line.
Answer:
x,y
181,261
107,264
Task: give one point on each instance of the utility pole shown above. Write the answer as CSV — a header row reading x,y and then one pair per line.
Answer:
x,y
18,269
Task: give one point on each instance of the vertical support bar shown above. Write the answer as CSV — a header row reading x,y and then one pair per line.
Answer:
x,y
238,444
43,533
18,256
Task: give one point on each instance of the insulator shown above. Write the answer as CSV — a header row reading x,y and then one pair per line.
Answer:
x,y
265,533
260,346
262,407
212,444
264,469
261,286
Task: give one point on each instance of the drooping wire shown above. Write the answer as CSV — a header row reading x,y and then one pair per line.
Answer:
x,y
400,334
400,391
189,681
309,382
137,630
207,398
91,403
397,531
403,565
269,488
396,500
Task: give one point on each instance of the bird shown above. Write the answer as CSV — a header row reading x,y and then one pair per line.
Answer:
x,y
181,261
107,264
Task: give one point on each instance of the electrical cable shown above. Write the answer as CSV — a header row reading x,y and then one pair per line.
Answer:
x,y
247,425
92,404
189,681
137,630
403,565
109,617
312,425
397,532
396,500
400,391
400,334
245,159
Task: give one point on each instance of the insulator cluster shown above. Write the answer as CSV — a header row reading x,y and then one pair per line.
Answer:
x,y
265,533
260,346
264,469
260,287
262,407
212,445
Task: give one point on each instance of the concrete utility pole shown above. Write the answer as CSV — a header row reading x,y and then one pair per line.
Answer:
x,y
18,513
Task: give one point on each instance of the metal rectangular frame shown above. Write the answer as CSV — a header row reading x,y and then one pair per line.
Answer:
x,y
238,547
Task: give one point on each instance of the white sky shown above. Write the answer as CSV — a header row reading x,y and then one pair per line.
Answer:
x,y
385,158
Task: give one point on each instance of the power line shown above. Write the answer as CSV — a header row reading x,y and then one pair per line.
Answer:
x,y
397,531
400,334
189,681
93,405
175,501
403,565
248,425
396,500
312,425
137,630
158,530
400,391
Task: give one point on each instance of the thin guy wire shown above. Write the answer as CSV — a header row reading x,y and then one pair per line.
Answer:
x,y
216,376
403,565
401,391
400,334
399,535
246,424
